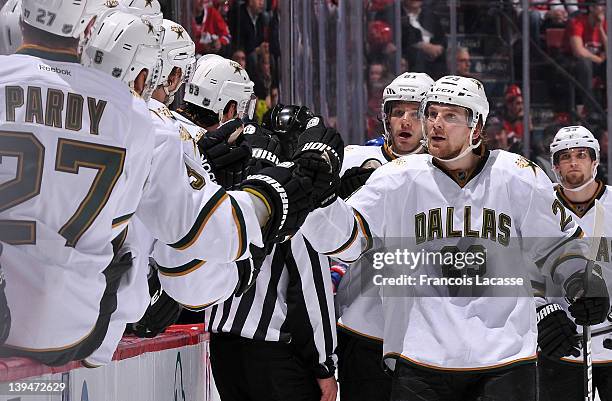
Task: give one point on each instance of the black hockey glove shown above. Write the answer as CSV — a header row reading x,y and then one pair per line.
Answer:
x,y
325,183
288,197
265,149
590,308
353,179
319,157
228,162
162,312
323,141
556,332
5,312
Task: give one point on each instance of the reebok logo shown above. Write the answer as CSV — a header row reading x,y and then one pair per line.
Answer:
x,y
55,70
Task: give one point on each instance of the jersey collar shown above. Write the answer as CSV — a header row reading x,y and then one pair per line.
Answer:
x,y
463,178
601,189
47,53
388,153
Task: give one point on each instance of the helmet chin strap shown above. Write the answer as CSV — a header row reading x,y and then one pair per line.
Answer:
x,y
467,150
169,94
583,186
389,142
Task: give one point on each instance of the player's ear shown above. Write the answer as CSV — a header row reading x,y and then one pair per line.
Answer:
x,y
174,79
478,132
140,81
231,111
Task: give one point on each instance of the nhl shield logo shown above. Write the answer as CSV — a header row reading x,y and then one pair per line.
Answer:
x,y
312,122
116,72
111,3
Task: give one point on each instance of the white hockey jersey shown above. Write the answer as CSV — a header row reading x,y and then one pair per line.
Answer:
x,y
585,219
79,158
506,206
360,310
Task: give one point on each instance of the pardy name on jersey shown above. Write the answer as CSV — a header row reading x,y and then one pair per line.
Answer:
x,y
429,225
59,109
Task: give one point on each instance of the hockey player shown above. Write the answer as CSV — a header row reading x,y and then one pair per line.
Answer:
x,y
575,157
361,321
219,91
10,32
92,161
140,290
466,347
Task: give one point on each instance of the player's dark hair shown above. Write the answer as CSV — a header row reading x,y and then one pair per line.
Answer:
x,y
201,116
42,38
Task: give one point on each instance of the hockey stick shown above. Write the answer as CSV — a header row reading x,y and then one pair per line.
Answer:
x,y
586,329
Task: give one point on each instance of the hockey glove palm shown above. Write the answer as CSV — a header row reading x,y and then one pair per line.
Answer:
x,y
556,332
590,308
228,162
287,196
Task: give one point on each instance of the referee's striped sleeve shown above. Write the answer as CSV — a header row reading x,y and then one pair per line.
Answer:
x,y
310,306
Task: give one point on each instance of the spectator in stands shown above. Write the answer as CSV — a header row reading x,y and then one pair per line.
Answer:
x,y
546,14
602,170
498,138
513,113
585,43
209,30
462,61
542,150
247,24
423,38
240,57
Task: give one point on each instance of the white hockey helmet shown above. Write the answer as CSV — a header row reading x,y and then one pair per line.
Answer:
x,y
10,31
458,91
216,81
178,50
407,87
123,46
575,136
68,18
149,9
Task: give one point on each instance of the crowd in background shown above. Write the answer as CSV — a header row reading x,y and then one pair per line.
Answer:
x,y
245,31
568,42
567,38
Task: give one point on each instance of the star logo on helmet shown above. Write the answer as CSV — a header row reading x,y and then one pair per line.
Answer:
x,y
179,30
149,3
237,67
150,26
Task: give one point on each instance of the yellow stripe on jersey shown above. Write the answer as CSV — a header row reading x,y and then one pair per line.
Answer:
x,y
240,227
519,361
348,243
181,270
205,214
199,308
358,333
